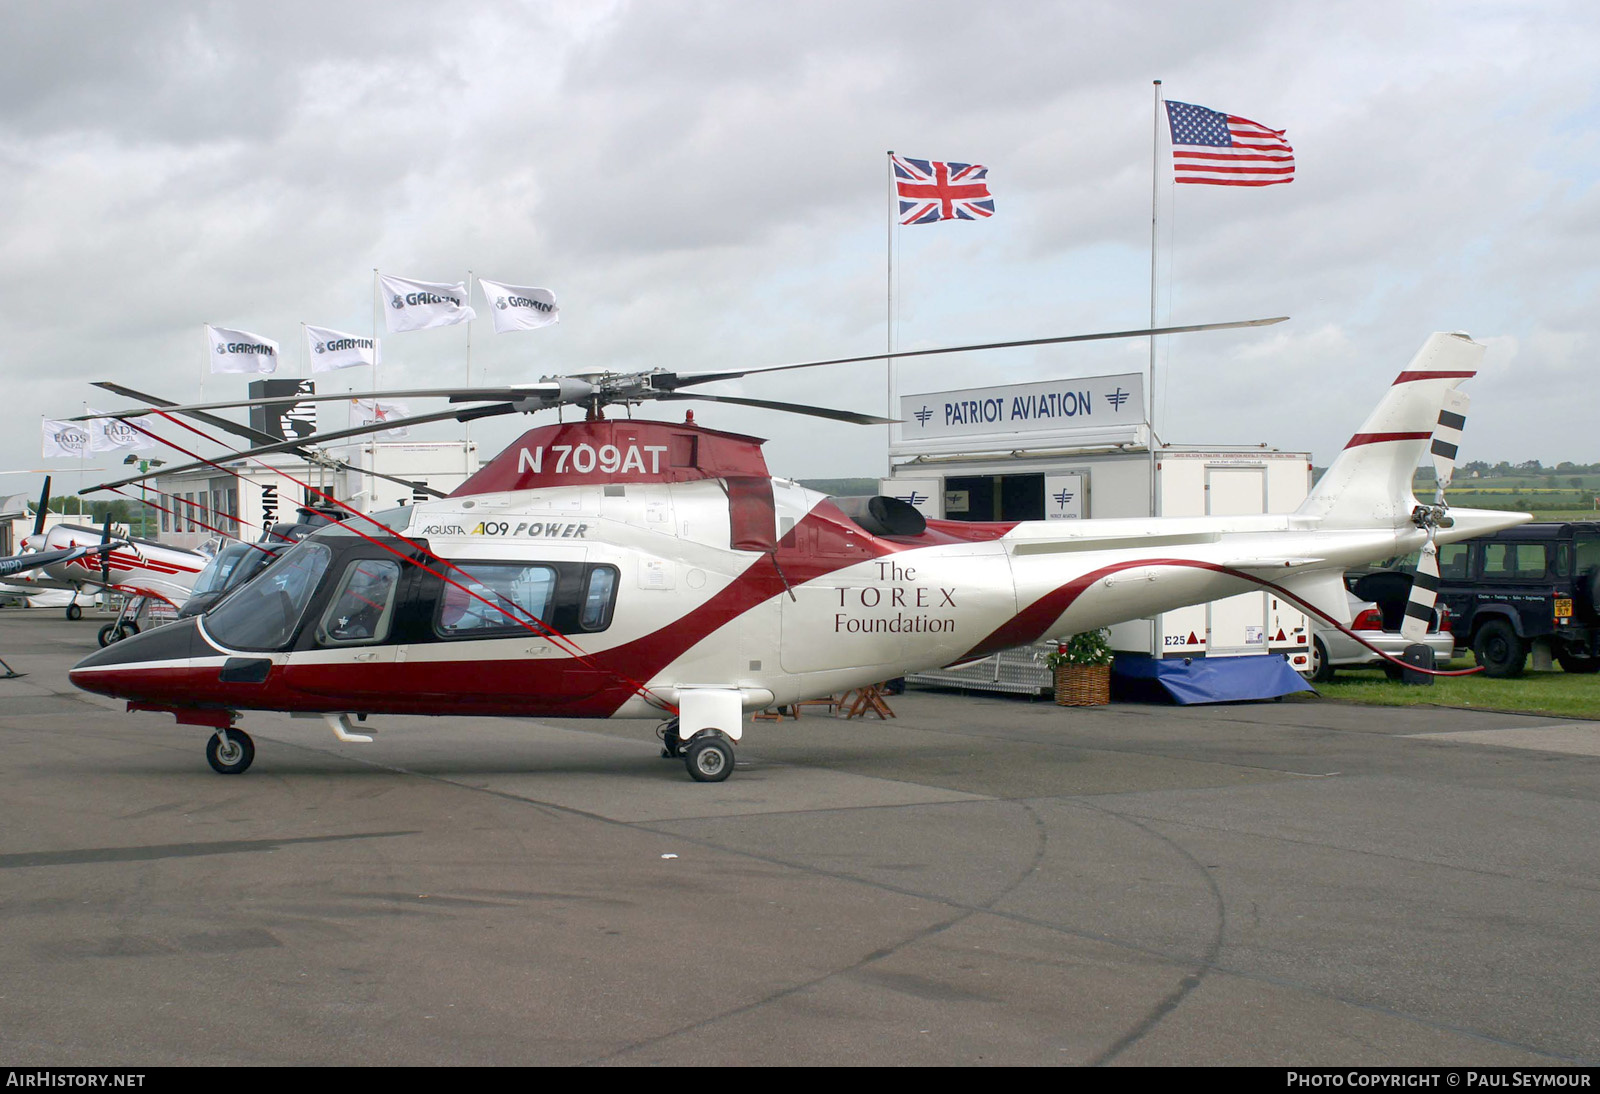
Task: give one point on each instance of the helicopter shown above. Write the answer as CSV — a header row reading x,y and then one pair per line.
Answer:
x,y
627,568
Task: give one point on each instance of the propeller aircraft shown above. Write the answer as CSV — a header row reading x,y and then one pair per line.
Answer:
x,y
622,568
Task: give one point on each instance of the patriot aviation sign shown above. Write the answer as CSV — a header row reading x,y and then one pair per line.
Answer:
x,y
1083,410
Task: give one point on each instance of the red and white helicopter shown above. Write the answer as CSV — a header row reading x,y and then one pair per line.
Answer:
x,y
619,568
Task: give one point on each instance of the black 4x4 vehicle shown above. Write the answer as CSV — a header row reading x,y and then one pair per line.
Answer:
x,y
1534,588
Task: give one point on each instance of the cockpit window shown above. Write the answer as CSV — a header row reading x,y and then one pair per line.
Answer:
x,y
263,615
361,608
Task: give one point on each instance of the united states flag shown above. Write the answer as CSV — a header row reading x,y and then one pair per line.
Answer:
x,y
933,190
1216,149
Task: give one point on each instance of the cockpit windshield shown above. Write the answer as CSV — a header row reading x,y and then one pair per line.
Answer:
x,y
217,572
263,615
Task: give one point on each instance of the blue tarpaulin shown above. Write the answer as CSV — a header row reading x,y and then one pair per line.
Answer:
x,y
1214,679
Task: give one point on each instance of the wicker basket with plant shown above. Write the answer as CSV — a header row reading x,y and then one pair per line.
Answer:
x,y
1081,667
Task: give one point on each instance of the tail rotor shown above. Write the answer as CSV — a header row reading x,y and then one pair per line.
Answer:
x,y
1425,581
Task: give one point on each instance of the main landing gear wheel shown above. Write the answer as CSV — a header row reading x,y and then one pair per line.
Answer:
x,y
116,632
74,612
233,756
709,757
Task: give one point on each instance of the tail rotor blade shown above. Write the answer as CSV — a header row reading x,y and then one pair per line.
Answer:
x,y
1424,592
1447,438
44,507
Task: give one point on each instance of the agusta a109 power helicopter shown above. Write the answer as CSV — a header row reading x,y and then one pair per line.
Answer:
x,y
619,568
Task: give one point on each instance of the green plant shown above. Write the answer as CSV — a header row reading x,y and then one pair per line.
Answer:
x,y
1085,648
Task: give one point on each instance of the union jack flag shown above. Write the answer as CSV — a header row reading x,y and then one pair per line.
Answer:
x,y
1216,149
933,190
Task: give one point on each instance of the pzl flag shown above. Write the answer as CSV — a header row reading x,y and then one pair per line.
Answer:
x,y
241,351
65,439
1216,149
520,307
364,411
331,349
424,305
109,434
933,190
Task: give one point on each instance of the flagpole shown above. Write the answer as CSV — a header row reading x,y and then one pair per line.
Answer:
x,y
466,427
888,299
1155,191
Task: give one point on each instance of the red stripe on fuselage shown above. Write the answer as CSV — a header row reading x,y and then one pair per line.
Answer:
x,y
1378,438
1030,624
1408,377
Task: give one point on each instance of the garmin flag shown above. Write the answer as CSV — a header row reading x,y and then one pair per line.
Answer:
x,y
363,411
65,439
520,307
241,351
109,434
423,305
331,349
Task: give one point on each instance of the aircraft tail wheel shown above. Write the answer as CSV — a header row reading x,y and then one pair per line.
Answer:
x,y
233,756
74,612
709,758
128,628
108,634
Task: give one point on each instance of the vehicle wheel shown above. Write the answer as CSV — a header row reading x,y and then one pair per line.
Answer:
x,y
709,758
1320,671
74,612
108,634
1499,650
232,758
1393,671
1573,663
129,629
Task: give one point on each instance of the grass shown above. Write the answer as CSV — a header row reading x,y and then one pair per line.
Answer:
x,y
1556,693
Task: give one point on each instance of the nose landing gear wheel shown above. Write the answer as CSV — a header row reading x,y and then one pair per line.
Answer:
x,y
709,758
74,612
233,756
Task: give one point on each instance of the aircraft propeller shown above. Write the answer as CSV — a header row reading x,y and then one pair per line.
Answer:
x,y
44,508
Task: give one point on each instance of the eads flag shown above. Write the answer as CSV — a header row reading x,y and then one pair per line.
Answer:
x,y
65,439
423,305
241,351
331,349
520,307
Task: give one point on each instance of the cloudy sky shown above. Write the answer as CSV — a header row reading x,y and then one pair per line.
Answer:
x,y
704,186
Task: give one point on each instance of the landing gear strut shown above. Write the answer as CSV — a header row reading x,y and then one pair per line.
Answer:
x,y
230,751
671,743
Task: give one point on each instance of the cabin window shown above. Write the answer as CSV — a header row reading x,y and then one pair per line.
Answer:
x,y
360,610
516,594
600,593
1453,561
1514,561
264,614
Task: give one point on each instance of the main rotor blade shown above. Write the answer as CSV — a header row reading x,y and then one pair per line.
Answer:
x,y
673,381
468,415
254,436
513,391
257,437
792,408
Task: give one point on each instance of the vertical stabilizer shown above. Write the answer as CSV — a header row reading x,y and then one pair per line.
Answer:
x,y
1370,481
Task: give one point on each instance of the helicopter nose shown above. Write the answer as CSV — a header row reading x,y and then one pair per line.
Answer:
x,y
161,664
